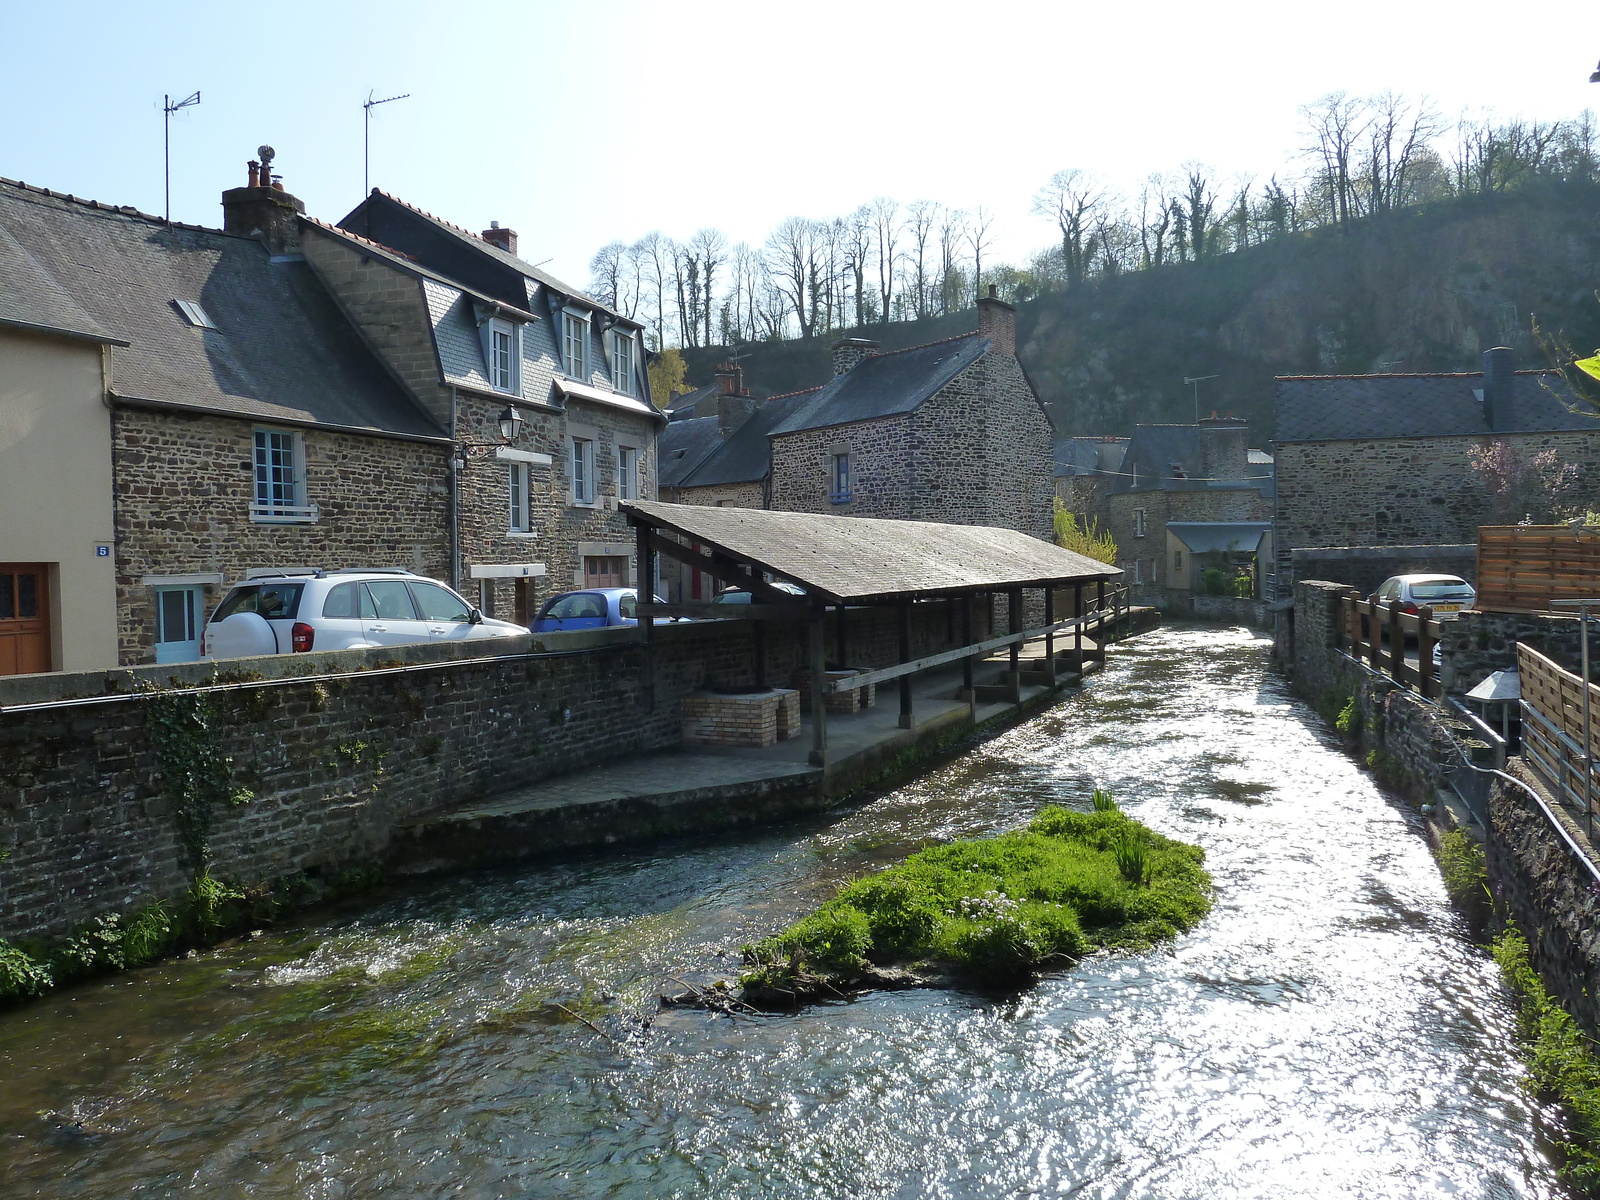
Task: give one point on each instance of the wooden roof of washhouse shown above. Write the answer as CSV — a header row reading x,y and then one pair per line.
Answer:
x,y
865,558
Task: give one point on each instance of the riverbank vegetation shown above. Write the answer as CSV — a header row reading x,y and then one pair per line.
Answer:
x,y
996,911
1562,1063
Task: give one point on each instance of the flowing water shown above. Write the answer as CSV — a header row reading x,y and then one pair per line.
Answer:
x,y
1328,1031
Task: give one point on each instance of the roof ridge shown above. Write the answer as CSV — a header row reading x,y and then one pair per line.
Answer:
x,y
126,210
971,333
800,392
356,237
420,211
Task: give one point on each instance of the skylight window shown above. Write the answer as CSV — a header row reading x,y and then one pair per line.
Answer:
x,y
195,315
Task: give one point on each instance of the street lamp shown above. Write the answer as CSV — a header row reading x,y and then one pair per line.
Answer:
x,y
510,426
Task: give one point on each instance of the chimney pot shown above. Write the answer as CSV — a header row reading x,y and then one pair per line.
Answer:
x,y
264,209
1499,389
255,173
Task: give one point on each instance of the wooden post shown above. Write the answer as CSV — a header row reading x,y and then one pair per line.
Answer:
x,y
819,680
1101,635
1077,630
1050,638
1397,644
1424,651
907,721
1375,636
841,647
761,653
1014,625
645,572
967,692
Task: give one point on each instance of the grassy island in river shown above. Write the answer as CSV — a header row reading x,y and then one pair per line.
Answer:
x,y
996,910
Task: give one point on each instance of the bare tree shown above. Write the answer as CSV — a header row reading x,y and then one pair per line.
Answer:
x,y
859,228
1199,203
1073,199
886,228
979,223
605,273
792,264
655,255
923,217
1155,221
711,248
952,283
1398,133
1337,123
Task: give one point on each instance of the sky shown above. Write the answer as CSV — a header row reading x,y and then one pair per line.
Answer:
x,y
580,124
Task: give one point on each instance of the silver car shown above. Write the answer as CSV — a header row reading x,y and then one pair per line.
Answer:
x,y
1447,595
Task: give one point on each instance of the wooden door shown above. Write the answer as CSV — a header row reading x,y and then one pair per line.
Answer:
x,y
604,571
24,618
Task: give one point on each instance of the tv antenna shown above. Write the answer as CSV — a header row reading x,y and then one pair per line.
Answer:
x,y
366,141
1196,381
168,108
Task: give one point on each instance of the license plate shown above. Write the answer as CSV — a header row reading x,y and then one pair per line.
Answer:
x,y
1439,608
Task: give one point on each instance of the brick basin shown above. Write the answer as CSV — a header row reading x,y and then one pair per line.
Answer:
x,y
740,719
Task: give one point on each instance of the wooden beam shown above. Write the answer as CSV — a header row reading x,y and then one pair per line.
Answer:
x,y
906,719
719,566
646,575
819,681
1050,638
882,674
794,610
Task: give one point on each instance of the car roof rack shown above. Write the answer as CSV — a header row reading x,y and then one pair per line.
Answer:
x,y
284,573
375,571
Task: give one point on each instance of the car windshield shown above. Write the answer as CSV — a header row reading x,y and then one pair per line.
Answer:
x,y
274,601
1433,589
579,604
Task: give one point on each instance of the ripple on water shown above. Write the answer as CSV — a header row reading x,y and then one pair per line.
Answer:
x,y
1326,1032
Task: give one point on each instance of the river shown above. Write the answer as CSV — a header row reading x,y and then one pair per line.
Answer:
x,y
1328,1031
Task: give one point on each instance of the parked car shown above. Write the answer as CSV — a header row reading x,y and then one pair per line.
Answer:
x,y
284,613
738,595
595,608
1446,594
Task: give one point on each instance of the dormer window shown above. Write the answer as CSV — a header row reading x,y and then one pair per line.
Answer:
x,y
195,315
500,346
574,340
622,361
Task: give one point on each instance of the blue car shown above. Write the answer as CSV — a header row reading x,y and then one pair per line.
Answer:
x,y
594,609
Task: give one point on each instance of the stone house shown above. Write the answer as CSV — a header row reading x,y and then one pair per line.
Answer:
x,y
1084,470
472,330
1202,479
179,405
1384,460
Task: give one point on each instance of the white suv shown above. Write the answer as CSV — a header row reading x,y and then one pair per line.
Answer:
x,y
282,612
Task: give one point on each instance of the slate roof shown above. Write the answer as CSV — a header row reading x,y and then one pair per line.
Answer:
x,y
1321,408
31,299
885,384
1208,537
868,558
745,455
1155,449
682,446
281,351
458,253
1089,455
683,407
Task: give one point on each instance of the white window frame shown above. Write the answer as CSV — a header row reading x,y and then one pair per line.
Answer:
x,y
622,347
1138,570
1138,522
274,498
519,499
575,342
627,472
508,334
581,465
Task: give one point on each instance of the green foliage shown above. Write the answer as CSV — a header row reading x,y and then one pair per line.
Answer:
x,y
1465,877
1102,800
1214,581
196,775
1562,1062
1244,587
1083,535
1345,723
212,903
1002,908
22,974
667,372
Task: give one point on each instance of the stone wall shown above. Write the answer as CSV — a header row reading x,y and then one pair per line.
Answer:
x,y
881,454
751,494
1475,644
1161,506
1401,491
184,484
363,741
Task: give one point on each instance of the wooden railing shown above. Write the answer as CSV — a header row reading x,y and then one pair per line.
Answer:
x,y
1377,633
1521,568
1554,740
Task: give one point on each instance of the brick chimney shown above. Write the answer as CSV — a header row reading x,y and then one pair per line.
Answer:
x,y
730,376
506,239
847,352
1499,389
1223,450
997,321
262,209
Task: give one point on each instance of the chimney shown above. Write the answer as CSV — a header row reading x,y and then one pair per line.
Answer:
x,y
997,321
1499,389
1223,450
847,352
506,239
732,409
262,209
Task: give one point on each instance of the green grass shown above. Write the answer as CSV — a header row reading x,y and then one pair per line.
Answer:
x,y
999,909
1562,1062
1465,876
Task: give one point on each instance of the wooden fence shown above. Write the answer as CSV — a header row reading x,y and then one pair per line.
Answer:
x,y
1521,568
1554,740
1377,633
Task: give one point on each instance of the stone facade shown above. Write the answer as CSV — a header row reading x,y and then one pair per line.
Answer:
x,y
1401,491
184,484
1144,555
722,495
977,452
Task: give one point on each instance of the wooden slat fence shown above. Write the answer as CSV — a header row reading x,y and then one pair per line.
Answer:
x,y
1521,568
1553,736
1377,633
